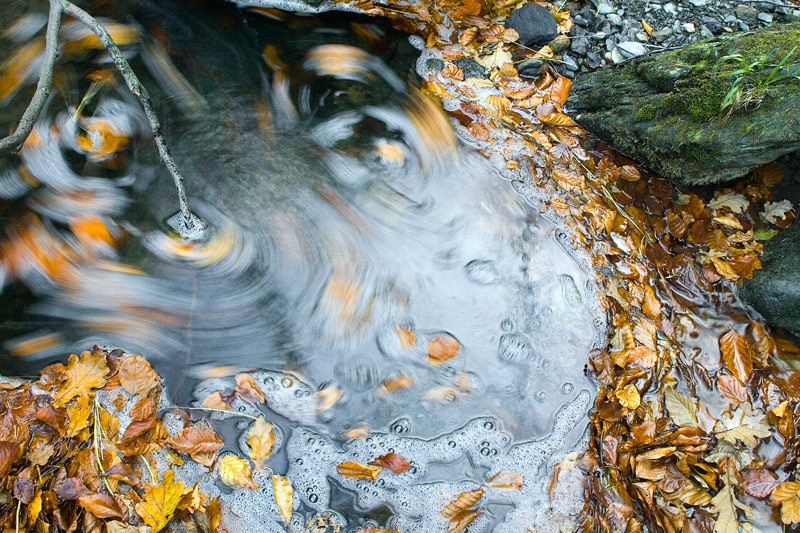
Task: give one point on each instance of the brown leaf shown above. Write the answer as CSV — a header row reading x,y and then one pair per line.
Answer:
x,y
23,490
452,71
463,519
71,488
731,388
9,452
506,479
82,374
736,355
143,408
396,463
559,91
480,132
215,400
247,388
557,119
100,505
358,471
464,501
136,376
758,483
628,396
442,348
195,439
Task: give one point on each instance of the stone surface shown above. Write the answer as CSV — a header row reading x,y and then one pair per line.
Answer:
x,y
535,25
774,291
559,44
746,13
665,109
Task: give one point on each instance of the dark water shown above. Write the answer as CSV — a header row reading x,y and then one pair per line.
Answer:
x,y
351,238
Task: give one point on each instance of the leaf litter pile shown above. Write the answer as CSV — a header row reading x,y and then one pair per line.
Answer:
x,y
694,427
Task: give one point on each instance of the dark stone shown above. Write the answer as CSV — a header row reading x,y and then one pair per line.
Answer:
x,y
434,64
666,109
580,46
535,25
714,25
774,291
530,68
471,68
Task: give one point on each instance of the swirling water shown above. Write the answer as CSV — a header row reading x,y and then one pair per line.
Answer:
x,y
351,235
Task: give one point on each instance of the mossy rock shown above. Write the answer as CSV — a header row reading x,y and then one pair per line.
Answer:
x,y
774,291
666,109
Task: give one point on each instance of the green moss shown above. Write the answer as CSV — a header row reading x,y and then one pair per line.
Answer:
x,y
644,113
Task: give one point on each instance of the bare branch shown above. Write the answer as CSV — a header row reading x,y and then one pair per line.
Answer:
x,y
14,142
140,92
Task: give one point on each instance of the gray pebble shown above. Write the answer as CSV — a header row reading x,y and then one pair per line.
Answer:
x,y
614,19
580,46
662,35
766,18
705,33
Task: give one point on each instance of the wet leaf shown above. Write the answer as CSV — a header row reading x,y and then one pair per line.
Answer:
x,y
100,505
758,483
464,501
160,502
462,520
396,463
327,397
628,396
9,453
452,71
559,91
506,479
136,376
82,375
23,490
358,471
495,59
282,492
215,400
790,510
247,388
71,489
779,213
731,388
737,356
733,201
236,472
260,439
681,408
358,432
442,348
744,424
78,413
557,119
195,439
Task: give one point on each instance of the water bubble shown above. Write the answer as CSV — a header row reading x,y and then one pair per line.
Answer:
x,y
313,498
402,425
569,291
541,395
488,425
507,325
287,382
482,272
515,348
567,388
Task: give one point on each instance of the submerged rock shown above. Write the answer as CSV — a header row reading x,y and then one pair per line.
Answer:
x,y
667,110
774,291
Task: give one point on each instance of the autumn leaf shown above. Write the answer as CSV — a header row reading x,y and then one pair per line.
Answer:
x,y
496,58
462,520
681,408
745,424
327,397
628,396
215,400
196,440
282,492
442,348
726,504
100,505
82,375
23,490
78,414
464,501
160,502
506,479
559,91
136,376
557,119
785,494
731,388
779,213
71,489
358,471
758,483
737,356
9,453
236,472
396,463
260,439
247,388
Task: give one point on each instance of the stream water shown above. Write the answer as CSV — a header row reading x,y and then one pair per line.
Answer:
x,y
351,239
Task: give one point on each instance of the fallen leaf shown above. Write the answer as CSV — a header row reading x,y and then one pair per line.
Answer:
x,y
779,213
758,483
160,502
462,520
327,397
71,489
215,400
82,375
396,463
236,472
260,439
442,348
681,408
9,453
136,376
733,201
23,490
247,388
358,432
557,119
506,479
282,492
736,355
464,501
195,439
731,388
100,505
745,424
628,396
496,58
559,91
358,471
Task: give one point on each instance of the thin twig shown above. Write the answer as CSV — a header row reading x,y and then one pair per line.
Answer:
x,y
141,93
14,142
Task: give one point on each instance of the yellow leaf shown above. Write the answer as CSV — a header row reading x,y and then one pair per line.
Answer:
x,y
729,221
260,439
357,470
647,27
282,492
236,472
790,510
136,376
82,374
785,491
628,396
160,502
557,119
78,414
327,397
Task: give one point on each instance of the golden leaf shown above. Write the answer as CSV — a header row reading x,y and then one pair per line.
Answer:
x,y
442,348
729,221
136,376
463,519
216,401
784,491
467,36
247,388
400,382
681,408
160,501
260,439
282,492
78,414
358,432
452,71
559,91
628,396
736,355
464,501
506,479
82,374
196,440
647,27
236,472
496,58
790,510
557,119
390,152
358,471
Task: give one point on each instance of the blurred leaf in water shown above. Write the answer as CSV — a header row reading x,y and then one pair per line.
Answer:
x,y
260,439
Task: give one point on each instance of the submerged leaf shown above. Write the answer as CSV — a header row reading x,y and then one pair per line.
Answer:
x,y
260,439
681,408
736,355
282,492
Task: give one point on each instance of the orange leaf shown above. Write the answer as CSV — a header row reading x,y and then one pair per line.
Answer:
x,y
559,91
82,374
100,505
442,348
506,479
557,119
136,376
247,388
464,501
358,471
736,355
282,493
396,463
260,439
463,519
195,439
731,388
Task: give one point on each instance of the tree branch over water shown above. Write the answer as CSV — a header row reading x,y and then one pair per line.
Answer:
x,y
58,8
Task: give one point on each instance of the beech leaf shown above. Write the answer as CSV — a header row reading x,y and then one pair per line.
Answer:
x,y
464,501
195,439
506,479
737,356
136,376
681,408
358,471
396,463
260,439
236,472
282,492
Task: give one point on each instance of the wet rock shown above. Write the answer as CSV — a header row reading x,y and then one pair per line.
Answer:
x,y
746,13
712,24
530,68
630,49
774,291
559,44
580,46
662,35
698,3
688,27
614,19
766,18
534,23
706,33
665,109
471,68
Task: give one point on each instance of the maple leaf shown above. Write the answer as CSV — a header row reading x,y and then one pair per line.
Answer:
x,y
136,376
236,472
787,495
681,408
745,424
282,493
260,439
358,471
396,463
82,375
160,502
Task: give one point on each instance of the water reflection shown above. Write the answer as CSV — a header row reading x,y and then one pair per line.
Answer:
x,y
353,243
